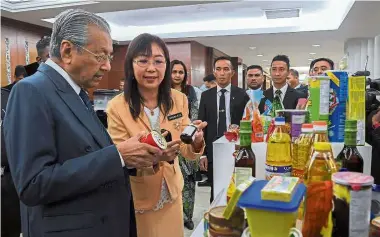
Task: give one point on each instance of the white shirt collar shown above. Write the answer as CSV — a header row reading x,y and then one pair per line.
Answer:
x,y
298,86
64,74
228,88
283,90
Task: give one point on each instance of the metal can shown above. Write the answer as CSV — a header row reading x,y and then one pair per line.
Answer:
x,y
352,204
155,139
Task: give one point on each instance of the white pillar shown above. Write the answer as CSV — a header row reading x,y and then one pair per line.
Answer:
x,y
371,53
376,62
352,48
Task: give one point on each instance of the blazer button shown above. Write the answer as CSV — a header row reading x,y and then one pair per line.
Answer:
x,y
87,149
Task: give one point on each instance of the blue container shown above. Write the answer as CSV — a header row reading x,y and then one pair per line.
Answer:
x,y
263,215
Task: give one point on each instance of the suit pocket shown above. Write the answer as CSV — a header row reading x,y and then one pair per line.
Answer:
x,y
69,222
146,190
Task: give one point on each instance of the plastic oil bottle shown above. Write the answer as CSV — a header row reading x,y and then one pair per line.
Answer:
x,y
278,159
301,150
318,200
320,133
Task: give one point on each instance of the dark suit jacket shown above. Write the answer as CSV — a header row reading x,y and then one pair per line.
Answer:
x,y
67,172
290,100
208,112
304,90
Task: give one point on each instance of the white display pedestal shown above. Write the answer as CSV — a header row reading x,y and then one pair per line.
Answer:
x,y
224,164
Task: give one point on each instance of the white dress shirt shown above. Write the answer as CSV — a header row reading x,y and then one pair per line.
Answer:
x,y
227,96
283,91
75,86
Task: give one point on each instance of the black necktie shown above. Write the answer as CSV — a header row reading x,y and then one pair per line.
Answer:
x,y
222,127
86,100
278,93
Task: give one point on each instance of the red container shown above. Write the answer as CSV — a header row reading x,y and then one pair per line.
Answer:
x,y
155,139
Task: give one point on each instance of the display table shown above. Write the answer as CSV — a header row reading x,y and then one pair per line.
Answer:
x,y
224,165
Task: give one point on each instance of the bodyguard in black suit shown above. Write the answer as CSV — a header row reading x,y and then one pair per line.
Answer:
x,y
72,181
219,107
279,72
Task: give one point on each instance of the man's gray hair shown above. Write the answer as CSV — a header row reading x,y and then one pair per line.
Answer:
x,y
72,25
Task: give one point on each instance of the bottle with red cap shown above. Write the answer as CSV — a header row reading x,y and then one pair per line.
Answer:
x,y
301,150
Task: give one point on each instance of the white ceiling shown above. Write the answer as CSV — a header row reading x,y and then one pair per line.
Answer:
x,y
362,20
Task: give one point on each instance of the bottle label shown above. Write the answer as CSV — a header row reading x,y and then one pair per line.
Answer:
x,y
271,171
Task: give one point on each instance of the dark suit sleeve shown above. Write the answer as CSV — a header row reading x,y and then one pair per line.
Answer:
x,y
202,116
30,141
262,105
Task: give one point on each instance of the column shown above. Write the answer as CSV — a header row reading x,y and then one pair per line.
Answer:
x,y
371,53
376,61
359,50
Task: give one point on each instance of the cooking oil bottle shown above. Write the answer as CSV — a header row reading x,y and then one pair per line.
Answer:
x,y
279,159
301,150
318,200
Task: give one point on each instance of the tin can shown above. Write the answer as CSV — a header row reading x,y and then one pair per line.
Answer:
x,y
155,139
352,204
294,232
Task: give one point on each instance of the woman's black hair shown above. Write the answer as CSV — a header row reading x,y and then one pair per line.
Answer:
x,y
184,87
142,45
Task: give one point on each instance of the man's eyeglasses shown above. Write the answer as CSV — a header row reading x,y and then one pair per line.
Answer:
x,y
101,58
159,63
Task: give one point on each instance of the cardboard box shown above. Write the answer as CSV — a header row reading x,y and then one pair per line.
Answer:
x,y
337,108
356,105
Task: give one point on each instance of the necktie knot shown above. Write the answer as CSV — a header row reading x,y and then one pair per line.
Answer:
x,y
223,91
86,100
278,92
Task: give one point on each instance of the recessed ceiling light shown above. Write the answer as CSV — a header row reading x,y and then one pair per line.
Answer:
x,y
316,45
312,53
260,55
265,60
310,59
252,47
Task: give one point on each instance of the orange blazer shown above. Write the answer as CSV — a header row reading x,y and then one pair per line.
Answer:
x,y
146,189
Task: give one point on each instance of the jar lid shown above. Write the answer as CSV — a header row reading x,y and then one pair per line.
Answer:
x,y
322,146
279,121
351,125
354,179
320,126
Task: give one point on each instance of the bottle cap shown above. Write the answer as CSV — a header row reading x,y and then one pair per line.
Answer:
x,y
320,126
279,121
245,125
307,127
351,125
322,146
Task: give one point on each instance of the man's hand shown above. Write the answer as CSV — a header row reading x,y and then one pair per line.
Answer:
x,y
171,152
137,154
203,163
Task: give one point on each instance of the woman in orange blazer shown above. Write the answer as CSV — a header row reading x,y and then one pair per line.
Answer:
x,y
147,104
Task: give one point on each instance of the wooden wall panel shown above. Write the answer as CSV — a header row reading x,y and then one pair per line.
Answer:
x,y
182,51
198,63
18,32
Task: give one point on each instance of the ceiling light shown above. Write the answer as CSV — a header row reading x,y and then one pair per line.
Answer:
x,y
265,60
312,53
310,59
316,45
282,13
260,55
252,47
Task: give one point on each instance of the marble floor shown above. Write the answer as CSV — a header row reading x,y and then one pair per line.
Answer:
x,y
202,203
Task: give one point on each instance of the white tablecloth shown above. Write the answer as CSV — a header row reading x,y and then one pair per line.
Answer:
x,y
224,165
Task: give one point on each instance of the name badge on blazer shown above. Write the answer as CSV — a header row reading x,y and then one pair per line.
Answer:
x,y
174,116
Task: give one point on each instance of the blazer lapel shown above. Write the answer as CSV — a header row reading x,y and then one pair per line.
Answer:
x,y
73,101
232,102
269,94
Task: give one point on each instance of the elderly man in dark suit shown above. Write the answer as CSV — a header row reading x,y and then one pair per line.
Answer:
x,y
219,107
288,96
71,179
